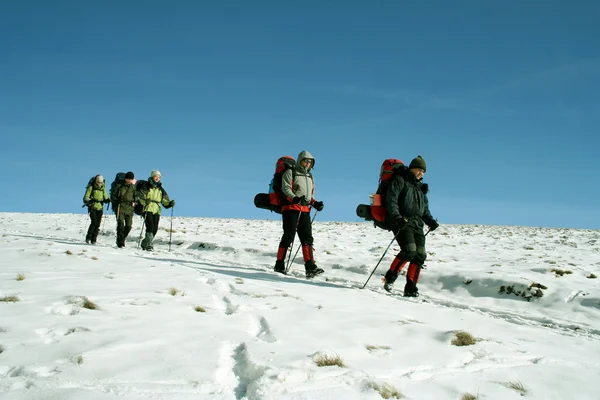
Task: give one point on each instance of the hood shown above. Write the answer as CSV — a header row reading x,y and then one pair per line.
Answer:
x,y
305,154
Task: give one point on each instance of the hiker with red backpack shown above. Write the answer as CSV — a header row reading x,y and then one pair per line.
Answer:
x,y
94,198
407,209
297,188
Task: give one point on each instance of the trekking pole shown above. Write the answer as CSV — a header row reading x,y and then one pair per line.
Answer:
x,y
142,230
298,249
378,262
171,230
287,268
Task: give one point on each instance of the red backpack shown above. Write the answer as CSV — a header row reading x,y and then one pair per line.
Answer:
x,y
274,199
376,212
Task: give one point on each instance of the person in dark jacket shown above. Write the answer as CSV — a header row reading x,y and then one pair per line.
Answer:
x,y
94,198
151,195
407,209
123,196
298,192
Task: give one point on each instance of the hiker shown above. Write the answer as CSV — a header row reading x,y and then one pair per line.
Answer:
x,y
407,209
95,197
298,191
123,197
150,194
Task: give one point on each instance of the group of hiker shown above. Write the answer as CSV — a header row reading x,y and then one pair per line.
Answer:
x,y
127,197
402,208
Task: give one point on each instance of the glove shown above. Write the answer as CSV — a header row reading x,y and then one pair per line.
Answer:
x,y
399,223
172,203
107,201
433,226
318,205
300,200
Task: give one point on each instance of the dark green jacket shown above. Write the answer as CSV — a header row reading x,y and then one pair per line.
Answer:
x,y
151,195
123,198
407,197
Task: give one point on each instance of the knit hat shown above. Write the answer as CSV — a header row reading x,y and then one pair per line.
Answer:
x,y
99,179
418,162
155,173
129,175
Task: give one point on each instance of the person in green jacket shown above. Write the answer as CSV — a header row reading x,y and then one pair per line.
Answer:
x,y
151,196
123,196
94,198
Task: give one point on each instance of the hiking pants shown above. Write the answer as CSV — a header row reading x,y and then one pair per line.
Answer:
x,y
290,223
151,222
124,223
412,245
96,218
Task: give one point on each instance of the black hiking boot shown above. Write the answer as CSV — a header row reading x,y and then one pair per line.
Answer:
x,y
410,289
388,281
312,270
279,267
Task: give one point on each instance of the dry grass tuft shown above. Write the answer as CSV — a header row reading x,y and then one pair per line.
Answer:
x,y
463,338
173,291
199,309
239,281
78,359
69,252
87,303
468,396
94,258
371,347
516,386
1,349
561,272
10,299
591,276
386,391
20,277
329,361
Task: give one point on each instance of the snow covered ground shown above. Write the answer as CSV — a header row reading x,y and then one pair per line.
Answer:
x,y
210,320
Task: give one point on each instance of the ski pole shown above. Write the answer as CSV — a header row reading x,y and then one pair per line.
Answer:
x,y
142,230
378,262
298,249
171,230
287,268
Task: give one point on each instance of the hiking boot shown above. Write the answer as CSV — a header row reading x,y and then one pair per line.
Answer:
x,y
411,294
388,286
312,270
279,267
410,289
87,241
389,279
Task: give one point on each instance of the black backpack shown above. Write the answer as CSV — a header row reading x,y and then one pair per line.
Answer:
x,y
274,199
119,179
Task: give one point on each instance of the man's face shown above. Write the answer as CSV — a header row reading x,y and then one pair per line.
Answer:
x,y
128,181
417,172
156,178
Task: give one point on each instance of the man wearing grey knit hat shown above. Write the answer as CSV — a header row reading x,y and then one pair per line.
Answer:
x,y
151,195
407,208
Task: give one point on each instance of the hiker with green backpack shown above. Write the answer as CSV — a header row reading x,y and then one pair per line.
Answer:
x,y
151,195
95,197
122,195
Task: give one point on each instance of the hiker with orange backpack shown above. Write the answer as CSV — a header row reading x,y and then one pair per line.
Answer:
x,y
407,209
297,187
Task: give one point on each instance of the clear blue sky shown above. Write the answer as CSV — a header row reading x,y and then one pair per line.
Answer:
x,y
500,98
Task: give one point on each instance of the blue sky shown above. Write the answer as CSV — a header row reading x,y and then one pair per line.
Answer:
x,y
500,98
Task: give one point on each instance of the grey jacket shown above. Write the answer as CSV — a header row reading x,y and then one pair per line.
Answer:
x,y
299,182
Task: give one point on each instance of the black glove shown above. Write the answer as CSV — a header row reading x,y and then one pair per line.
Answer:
x,y
318,205
399,223
172,203
107,201
433,225
300,200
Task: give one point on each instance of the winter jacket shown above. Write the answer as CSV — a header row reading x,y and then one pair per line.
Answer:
x,y
123,197
407,197
298,182
95,196
151,195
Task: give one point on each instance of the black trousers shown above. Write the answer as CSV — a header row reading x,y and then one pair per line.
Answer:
x,y
293,219
151,222
412,244
96,218
124,223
